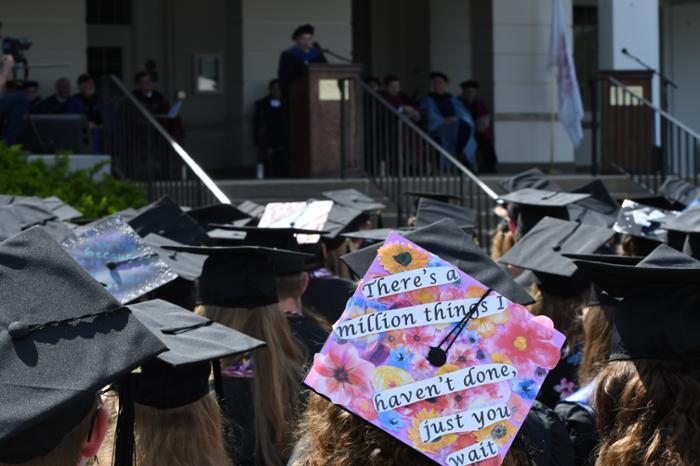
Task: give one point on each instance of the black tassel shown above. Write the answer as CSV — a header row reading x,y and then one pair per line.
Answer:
x,y
124,438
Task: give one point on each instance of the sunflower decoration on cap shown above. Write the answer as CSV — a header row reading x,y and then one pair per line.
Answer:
x,y
435,358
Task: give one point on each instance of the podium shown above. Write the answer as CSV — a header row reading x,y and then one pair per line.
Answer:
x,y
325,132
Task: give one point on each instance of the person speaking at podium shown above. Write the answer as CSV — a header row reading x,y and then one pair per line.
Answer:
x,y
295,59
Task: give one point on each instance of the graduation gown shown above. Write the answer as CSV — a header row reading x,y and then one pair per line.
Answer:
x,y
545,437
293,63
457,138
579,419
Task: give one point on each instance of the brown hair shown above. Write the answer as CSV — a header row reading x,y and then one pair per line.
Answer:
x,y
332,259
648,413
278,372
292,287
67,452
190,434
331,435
501,243
564,312
597,327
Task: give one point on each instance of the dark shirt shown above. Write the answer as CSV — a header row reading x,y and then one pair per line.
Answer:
x,y
88,106
239,413
155,103
581,425
444,104
52,105
307,334
268,123
293,63
327,295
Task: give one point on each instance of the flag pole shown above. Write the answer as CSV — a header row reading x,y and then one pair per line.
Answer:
x,y
552,119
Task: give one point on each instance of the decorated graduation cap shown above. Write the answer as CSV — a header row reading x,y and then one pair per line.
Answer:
x,y
541,251
535,204
434,357
280,238
455,246
237,276
118,258
165,218
680,191
62,343
666,279
180,376
430,211
643,221
533,178
219,213
20,216
310,215
354,199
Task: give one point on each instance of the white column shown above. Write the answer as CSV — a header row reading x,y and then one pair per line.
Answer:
x,y
523,92
631,25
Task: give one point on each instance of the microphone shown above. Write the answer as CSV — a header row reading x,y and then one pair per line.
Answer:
x,y
318,46
624,50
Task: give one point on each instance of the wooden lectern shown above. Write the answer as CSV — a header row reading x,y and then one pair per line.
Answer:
x,y
325,134
628,134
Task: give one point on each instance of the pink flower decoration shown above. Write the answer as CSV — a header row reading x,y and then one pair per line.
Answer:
x,y
342,374
526,341
565,387
459,401
364,407
420,339
422,366
451,294
462,356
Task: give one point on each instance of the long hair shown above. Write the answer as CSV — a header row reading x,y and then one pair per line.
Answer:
x,y
648,413
332,260
331,435
597,327
278,373
501,243
292,287
565,313
190,434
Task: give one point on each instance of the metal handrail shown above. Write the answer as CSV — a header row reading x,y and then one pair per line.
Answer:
x,y
651,106
179,150
490,192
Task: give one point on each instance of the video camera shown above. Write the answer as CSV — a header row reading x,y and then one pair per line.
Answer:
x,y
16,47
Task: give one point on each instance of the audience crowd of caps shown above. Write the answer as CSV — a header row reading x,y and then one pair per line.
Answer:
x,y
175,336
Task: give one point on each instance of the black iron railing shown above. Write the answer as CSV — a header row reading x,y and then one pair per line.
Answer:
x,y
634,137
401,157
144,152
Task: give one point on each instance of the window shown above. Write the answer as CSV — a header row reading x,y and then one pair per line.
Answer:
x,y
586,49
208,73
109,11
102,61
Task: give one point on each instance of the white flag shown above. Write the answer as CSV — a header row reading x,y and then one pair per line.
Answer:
x,y
570,105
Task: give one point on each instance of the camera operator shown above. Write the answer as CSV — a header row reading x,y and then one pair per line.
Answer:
x,y
13,104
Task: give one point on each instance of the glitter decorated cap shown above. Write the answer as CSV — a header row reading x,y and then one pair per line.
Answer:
x,y
435,358
118,258
643,221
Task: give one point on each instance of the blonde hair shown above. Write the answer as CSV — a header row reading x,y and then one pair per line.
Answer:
x,y
501,243
648,411
597,327
183,436
292,287
565,313
331,435
278,372
67,452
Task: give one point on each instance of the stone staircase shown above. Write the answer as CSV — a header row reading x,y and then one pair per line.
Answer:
x,y
288,190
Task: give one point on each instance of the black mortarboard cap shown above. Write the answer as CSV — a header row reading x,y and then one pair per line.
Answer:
x,y
600,201
678,190
276,238
354,199
21,216
62,342
659,202
238,276
535,204
341,219
165,218
253,209
377,234
219,213
180,376
656,306
541,250
683,232
448,241
118,258
430,211
186,266
643,221
303,29
533,178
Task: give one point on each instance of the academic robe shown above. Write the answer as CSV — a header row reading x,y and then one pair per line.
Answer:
x,y
457,138
579,419
293,63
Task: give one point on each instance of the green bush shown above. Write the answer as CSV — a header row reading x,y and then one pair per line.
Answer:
x,y
94,199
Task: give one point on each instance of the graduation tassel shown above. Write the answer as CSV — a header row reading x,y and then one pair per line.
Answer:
x,y
124,436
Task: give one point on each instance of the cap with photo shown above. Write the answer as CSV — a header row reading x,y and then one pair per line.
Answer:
x,y
643,221
119,259
62,343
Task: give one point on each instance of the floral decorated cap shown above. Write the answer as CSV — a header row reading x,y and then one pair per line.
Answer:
x,y
435,358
